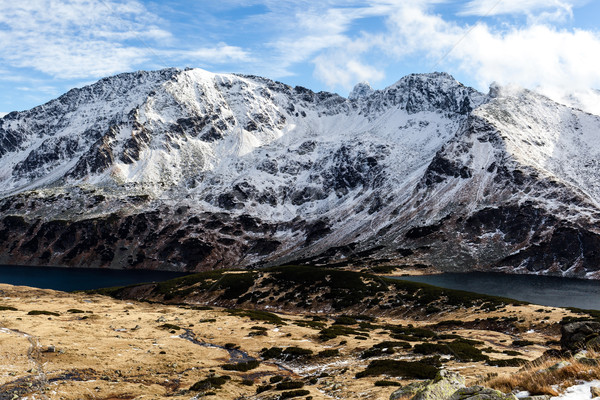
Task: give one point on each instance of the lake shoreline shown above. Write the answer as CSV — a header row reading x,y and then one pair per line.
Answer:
x,y
538,289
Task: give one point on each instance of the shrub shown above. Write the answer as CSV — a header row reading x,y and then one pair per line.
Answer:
x,y
391,345
7,308
295,352
345,320
170,327
511,362
522,343
406,369
462,351
294,393
41,312
256,315
273,352
337,330
263,388
286,385
387,383
242,367
209,383
328,353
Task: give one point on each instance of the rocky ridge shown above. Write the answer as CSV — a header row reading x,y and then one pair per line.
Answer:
x,y
189,170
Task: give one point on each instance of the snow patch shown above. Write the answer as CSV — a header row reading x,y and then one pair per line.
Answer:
x,y
578,392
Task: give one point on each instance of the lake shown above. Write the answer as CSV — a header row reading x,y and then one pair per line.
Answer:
x,y
70,279
544,290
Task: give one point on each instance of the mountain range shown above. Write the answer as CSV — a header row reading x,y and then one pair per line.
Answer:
x,y
189,170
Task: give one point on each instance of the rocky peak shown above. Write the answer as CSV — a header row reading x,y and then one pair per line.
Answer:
x,y
361,90
436,91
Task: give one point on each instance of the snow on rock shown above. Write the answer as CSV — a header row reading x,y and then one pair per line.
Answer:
x,y
214,170
362,89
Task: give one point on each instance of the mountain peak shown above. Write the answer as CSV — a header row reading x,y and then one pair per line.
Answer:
x,y
362,89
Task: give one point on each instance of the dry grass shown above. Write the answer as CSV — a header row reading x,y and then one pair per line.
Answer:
x,y
538,378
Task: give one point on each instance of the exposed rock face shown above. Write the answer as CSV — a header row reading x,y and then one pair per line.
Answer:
x,y
440,388
448,386
480,393
579,335
188,170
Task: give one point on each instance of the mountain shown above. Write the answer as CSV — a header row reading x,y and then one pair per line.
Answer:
x,y
189,170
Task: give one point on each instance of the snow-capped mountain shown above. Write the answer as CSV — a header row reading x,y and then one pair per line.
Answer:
x,y
185,169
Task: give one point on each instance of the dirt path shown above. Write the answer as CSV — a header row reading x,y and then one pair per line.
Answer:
x,y
37,382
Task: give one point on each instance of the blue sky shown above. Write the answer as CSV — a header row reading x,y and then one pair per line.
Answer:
x,y
48,47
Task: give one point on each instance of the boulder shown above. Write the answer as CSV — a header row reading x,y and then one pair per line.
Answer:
x,y
408,390
480,393
440,388
578,335
595,390
558,366
583,358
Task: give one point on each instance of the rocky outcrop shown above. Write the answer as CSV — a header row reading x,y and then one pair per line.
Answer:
x,y
448,386
480,393
580,335
441,388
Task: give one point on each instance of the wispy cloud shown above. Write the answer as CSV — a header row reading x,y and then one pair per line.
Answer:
x,y
222,53
534,9
79,39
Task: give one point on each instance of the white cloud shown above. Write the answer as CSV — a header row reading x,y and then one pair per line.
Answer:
x,y
46,89
529,56
77,38
343,71
556,8
220,54
81,39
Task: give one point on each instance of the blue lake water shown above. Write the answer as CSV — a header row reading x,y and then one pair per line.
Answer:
x,y
69,279
544,290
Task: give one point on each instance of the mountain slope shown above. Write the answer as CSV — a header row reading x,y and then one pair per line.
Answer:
x,y
185,169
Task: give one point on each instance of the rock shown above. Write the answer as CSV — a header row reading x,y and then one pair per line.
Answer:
x,y
407,390
558,366
595,390
480,393
592,362
440,388
593,343
540,397
578,335
49,349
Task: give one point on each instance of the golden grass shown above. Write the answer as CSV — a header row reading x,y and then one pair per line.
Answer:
x,y
537,378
